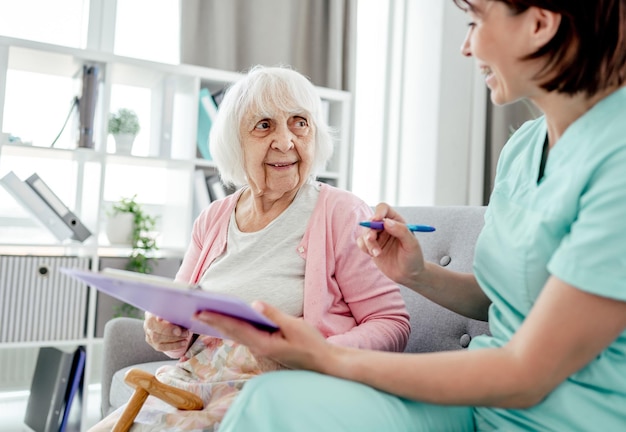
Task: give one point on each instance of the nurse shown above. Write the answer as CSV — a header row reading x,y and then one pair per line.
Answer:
x,y
549,270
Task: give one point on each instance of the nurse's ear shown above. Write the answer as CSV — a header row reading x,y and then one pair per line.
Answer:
x,y
544,24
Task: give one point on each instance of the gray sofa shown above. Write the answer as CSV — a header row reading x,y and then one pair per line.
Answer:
x,y
433,327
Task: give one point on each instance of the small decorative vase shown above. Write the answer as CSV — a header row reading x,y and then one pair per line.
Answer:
x,y
119,228
124,143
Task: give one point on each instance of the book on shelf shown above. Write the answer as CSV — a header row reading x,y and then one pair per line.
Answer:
x,y
158,295
55,382
79,230
215,187
328,180
207,111
87,105
35,204
219,95
207,188
202,198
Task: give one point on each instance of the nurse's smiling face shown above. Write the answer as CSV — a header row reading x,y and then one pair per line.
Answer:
x,y
499,38
278,149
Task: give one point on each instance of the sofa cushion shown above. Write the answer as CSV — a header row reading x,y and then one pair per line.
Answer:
x,y
434,328
120,391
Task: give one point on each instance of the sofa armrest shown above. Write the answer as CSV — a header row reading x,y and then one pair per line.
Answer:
x,y
124,345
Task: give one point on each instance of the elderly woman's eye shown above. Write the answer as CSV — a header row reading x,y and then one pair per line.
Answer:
x,y
300,122
263,125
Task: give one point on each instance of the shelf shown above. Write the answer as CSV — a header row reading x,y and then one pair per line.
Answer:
x,y
38,152
147,161
161,171
38,249
57,343
205,163
123,251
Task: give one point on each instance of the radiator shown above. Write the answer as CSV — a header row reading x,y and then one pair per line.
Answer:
x,y
38,302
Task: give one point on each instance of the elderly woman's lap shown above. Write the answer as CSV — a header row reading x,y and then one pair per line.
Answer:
x,y
307,401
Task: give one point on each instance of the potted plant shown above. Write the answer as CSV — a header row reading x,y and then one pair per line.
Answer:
x,y
129,223
124,126
136,228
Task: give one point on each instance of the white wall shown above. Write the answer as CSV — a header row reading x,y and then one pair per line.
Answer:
x,y
433,123
461,118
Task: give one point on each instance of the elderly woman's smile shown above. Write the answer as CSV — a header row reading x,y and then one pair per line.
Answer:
x,y
281,164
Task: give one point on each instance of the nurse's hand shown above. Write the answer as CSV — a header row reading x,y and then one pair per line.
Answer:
x,y
296,344
395,250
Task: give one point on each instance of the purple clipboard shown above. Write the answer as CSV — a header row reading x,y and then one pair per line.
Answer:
x,y
169,300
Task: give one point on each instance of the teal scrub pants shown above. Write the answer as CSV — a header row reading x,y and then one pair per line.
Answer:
x,y
302,401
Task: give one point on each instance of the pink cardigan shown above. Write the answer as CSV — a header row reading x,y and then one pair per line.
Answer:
x,y
345,295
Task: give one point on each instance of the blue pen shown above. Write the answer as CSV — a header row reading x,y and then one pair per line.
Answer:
x,y
378,225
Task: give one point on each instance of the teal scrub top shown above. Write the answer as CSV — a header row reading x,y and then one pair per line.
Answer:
x,y
571,224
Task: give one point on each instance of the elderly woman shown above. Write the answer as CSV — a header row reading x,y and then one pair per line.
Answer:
x,y
283,238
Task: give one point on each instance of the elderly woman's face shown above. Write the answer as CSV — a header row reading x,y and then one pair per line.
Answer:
x,y
278,151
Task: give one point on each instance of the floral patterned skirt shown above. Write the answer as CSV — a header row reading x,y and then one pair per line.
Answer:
x,y
214,369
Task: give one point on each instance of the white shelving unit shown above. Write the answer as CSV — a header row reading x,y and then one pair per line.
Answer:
x,y
89,180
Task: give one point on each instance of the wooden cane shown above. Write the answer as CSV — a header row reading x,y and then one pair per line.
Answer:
x,y
146,384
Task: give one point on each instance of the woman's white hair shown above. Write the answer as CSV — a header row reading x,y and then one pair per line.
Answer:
x,y
264,89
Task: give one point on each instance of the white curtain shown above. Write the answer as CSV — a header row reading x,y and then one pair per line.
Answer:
x,y
313,36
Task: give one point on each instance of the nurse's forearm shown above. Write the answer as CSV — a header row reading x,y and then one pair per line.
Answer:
x,y
456,291
487,377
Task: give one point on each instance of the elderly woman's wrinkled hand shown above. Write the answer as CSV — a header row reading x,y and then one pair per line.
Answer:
x,y
163,335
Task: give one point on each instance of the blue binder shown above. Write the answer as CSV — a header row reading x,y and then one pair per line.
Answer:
x,y
207,110
76,377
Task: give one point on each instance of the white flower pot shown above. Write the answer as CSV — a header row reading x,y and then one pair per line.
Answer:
x,y
124,143
119,228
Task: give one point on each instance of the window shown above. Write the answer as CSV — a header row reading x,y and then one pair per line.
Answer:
x,y
158,36
48,98
58,22
369,98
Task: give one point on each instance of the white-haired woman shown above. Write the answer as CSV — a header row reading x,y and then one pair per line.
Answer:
x,y
281,237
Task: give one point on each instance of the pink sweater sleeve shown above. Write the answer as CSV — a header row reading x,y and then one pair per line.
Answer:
x,y
346,296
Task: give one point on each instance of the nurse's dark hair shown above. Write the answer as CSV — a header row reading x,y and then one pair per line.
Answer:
x,y
588,52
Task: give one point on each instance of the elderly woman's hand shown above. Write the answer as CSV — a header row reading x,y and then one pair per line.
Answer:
x,y
395,250
164,336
